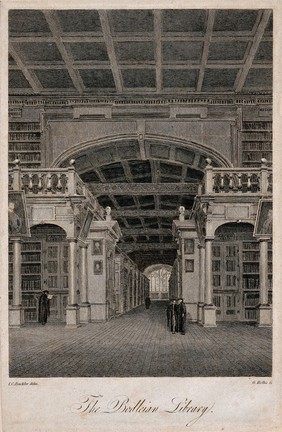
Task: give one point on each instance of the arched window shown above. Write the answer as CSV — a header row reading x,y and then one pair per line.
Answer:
x,y
159,281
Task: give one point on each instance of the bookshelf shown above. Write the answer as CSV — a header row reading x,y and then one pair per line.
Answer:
x,y
31,278
256,142
24,144
250,279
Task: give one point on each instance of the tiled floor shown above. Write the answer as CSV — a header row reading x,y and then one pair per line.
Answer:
x,y
139,344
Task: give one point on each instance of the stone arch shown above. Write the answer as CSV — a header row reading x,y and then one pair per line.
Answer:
x,y
235,227
58,225
77,151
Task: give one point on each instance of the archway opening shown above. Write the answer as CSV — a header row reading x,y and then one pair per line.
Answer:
x,y
45,266
158,276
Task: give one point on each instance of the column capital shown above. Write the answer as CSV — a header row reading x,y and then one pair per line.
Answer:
x,y
264,239
72,239
15,239
209,238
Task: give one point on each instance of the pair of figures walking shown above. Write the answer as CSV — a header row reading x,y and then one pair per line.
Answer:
x,y
176,316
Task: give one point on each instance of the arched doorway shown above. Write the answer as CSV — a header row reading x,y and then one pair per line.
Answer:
x,y
158,276
235,272
45,267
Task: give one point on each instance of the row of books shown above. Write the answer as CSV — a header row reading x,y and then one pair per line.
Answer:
x,y
31,284
20,126
264,146
15,136
31,269
24,146
26,157
257,136
257,125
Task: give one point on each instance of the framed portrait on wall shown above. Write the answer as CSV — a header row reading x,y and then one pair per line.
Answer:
x,y
263,224
17,216
97,247
189,265
98,267
189,246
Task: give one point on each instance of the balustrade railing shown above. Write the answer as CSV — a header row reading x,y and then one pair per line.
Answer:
x,y
51,182
238,180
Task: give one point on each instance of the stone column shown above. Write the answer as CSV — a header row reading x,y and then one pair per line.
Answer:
x,y
265,312
209,308
16,317
202,283
72,318
84,310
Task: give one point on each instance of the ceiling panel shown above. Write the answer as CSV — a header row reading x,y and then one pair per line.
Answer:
x,y
168,169
27,21
235,20
79,21
234,50
184,20
18,80
54,78
125,201
264,52
131,21
175,51
139,78
135,51
180,78
97,78
40,52
215,78
262,77
89,51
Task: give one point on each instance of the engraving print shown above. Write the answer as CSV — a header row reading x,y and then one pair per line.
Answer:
x,y
141,142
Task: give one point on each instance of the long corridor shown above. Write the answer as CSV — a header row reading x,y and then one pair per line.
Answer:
x,y
139,344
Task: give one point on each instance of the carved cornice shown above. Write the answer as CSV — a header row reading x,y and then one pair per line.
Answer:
x,y
208,100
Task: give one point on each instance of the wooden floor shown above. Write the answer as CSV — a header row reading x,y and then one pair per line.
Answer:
x,y
140,344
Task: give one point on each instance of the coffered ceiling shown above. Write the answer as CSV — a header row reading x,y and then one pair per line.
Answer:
x,y
140,51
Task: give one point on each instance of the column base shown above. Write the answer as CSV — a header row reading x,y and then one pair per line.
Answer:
x,y
16,316
72,316
98,312
264,316
201,312
84,313
209,316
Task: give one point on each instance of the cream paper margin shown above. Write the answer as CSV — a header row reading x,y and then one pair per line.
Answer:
x,y
238,405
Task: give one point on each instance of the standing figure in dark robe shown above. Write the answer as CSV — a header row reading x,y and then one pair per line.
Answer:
x,y
172,316
181,316
44,308
147,302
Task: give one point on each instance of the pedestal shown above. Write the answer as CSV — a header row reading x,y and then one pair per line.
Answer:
x,y
200,312
209,318
16,316
264,316
72,316
84,313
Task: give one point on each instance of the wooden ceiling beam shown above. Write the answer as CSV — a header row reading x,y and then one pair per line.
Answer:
x,y
205,53
133,247
242,74
158,48
53,22
148,213
135,189
111,50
